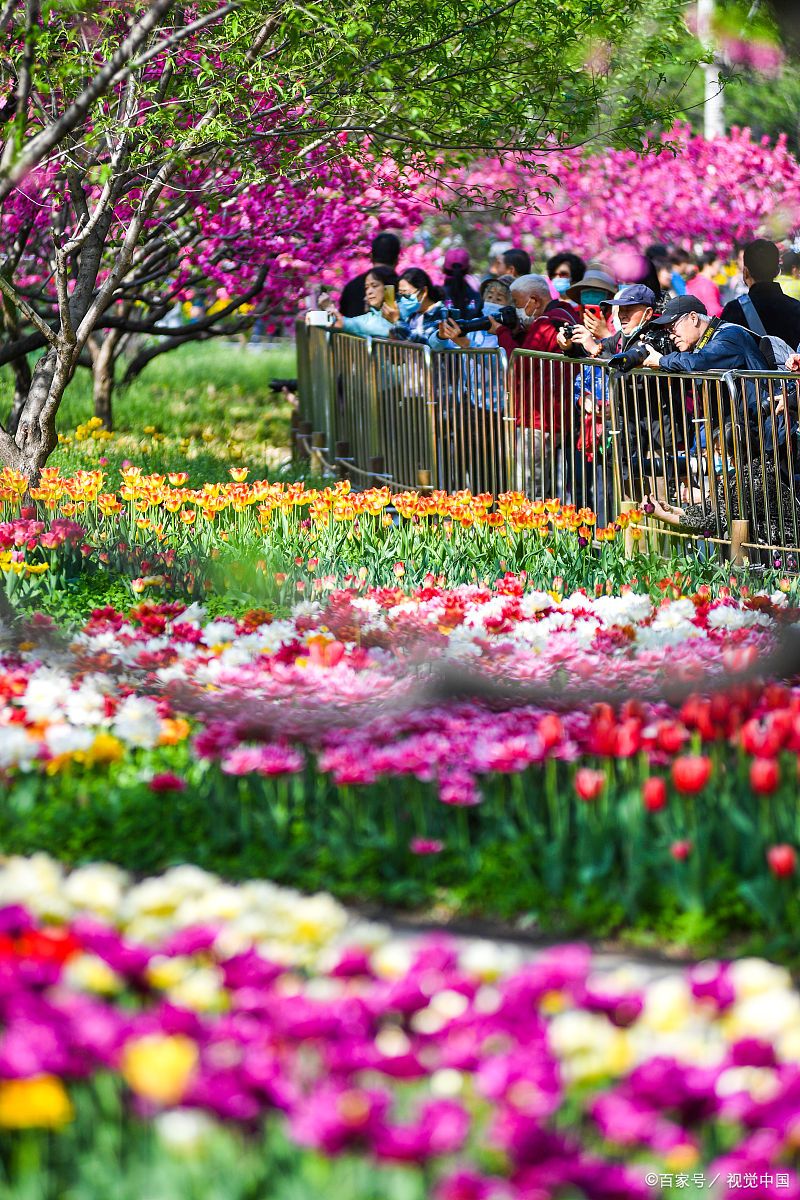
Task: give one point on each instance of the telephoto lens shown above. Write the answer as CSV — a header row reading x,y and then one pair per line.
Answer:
x,y
629,359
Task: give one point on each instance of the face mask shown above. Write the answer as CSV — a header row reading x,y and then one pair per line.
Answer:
x,y
408,305
491,310
522,316
562,284
593,296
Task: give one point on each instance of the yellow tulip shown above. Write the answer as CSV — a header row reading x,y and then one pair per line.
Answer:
x,y
40,1102
159,1067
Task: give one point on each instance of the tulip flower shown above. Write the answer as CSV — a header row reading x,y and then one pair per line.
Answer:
x,y
782,860
654,793
691,773
425,846
589,783
765,775
681,849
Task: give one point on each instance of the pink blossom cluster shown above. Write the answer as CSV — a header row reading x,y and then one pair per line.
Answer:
x,y
685,189
305,231
501,1080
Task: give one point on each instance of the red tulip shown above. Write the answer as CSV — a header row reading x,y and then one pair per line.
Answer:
x,y
691,773
588,783
167,781
671,736
782,861
680,851
761,739
765,775
654,793
550,731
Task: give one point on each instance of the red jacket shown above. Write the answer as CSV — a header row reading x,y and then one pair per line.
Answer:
x,y
541,391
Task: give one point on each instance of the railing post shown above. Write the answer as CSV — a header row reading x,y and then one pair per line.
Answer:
x,y
304,430
377,468
294,430
316,458
342,459
627,506
424,480
429,402
740,536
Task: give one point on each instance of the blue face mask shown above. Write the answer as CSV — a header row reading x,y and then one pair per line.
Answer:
x,y
408,305
491,310
562,284
593,296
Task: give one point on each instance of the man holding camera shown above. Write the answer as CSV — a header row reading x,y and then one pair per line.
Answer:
x,y
537,395
645,418
633,307
704,344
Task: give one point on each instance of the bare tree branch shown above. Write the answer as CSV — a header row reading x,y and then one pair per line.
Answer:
x,y
13,296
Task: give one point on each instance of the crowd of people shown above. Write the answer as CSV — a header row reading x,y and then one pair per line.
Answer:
x,y
672,312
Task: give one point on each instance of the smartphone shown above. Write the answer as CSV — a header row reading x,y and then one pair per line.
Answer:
x,y
388,293
595,310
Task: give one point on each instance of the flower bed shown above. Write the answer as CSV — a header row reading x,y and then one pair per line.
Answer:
x,y
263,543
388,743
184,1007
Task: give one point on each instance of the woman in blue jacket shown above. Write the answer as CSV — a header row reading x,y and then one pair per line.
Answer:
x,y
419,311
374,322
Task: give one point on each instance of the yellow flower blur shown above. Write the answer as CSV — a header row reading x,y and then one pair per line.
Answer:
x,y
158,1067
40,1102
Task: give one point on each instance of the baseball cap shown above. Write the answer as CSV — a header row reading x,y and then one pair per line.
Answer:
x,y
595,279
679,306
635,293
456,256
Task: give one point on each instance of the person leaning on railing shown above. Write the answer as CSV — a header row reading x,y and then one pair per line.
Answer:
x,y
373,322
646,412
485,380
703,345
540,398
768,503
761,496
418,311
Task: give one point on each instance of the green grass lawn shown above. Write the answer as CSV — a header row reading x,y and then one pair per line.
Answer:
x,y
200,408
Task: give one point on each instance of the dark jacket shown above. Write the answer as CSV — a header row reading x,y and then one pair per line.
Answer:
x,y
766,502
779,313
353,301
731,349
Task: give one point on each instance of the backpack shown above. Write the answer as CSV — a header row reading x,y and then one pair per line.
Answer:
x,y
775,350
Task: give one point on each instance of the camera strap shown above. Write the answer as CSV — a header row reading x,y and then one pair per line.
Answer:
x,y
713,326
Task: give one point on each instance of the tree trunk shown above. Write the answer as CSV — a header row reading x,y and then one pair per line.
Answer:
x,y
22,385
102,348
36,436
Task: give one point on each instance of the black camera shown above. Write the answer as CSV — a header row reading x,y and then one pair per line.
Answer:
x,y
506,317
629,359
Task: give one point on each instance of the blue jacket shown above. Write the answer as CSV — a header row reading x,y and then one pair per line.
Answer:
x,y
370,324
732,348
422,328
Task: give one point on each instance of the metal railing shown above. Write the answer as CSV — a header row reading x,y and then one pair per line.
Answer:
x,y
724,448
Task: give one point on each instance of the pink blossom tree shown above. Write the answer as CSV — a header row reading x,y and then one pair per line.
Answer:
x,y
122,99
685,190
251,249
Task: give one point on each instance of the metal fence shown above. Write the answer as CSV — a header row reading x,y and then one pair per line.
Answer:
x,y
725,449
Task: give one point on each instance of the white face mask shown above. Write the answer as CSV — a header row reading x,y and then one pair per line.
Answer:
x,y
523,317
